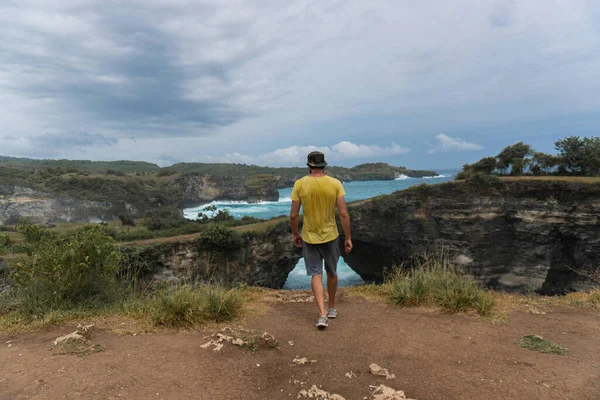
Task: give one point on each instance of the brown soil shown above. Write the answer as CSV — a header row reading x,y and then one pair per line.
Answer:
x,y
433,355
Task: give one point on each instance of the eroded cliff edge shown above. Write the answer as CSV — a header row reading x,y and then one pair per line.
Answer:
x,y
515,234
262,258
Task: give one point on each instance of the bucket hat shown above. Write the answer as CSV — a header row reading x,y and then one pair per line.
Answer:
x,y
316,159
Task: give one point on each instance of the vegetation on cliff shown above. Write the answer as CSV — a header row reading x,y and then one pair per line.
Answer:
x,y
81,272
576,157
145,186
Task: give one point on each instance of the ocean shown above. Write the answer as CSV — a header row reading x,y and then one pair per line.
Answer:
x,y
297,279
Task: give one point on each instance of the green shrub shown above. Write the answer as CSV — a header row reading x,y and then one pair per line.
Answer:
x,y
78,270
127,220
222,304
33,233
482,182
219,237
5,241
180,308
164,218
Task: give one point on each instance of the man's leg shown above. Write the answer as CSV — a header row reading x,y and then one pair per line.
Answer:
x,y
331,255
332,283
314,268
317,288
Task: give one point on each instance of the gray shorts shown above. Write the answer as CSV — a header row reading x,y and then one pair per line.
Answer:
x,y
315,254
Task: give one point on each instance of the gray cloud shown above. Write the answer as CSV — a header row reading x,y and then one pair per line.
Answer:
x,y
72,140
206,79
502,14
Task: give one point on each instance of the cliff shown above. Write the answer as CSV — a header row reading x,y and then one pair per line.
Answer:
x,y
514,235
195,189
256,259
18,202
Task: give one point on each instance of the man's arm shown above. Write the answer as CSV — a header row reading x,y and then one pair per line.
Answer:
x,y
294,221
345,220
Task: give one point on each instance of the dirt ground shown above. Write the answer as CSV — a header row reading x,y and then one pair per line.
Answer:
x,y
433,355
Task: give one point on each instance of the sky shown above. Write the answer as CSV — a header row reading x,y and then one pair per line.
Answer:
x,y
427,84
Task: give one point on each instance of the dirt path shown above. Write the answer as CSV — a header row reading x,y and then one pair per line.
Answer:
x,y
434,356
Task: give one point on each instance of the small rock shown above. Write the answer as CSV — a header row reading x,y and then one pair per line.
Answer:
x,y
238,342
318,394
222,338
85,330
536,311
383,392
291,342
73,336
300,361
218,347
9,345
350,375
380,371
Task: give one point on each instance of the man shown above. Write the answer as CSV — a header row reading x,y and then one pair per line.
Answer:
x,y
319,195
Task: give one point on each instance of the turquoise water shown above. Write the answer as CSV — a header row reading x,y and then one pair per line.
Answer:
x,y
297,279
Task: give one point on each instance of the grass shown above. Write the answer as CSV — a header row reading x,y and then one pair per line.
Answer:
x,y
187,306
183,307
538,343
429,279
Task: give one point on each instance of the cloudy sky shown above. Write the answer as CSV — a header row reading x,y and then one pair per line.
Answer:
x,y
426,84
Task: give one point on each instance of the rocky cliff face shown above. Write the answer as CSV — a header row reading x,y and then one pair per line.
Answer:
x,y
263,260
512,235
19,202
195,189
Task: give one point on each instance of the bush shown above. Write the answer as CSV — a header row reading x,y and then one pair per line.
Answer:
x,y
127,220
165,172
164,218
220,237
431,280
5,241
76,271
33,233
481,182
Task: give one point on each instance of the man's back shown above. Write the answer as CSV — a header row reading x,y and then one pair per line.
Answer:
x,y
318,196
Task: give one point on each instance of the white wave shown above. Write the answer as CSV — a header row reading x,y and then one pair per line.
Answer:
x,y
402,177
437,176
285,200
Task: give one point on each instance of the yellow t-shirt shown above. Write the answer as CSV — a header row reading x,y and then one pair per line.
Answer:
x,y
318,196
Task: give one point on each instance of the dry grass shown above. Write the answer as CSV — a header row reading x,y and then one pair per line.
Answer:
x,y
260,226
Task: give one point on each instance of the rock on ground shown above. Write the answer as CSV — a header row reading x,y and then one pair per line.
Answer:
x,y
318,394
383,392
380,371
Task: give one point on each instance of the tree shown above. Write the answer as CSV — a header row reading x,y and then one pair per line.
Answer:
x,y
579,156
543,164
486,165
512,158
127,220
164,218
